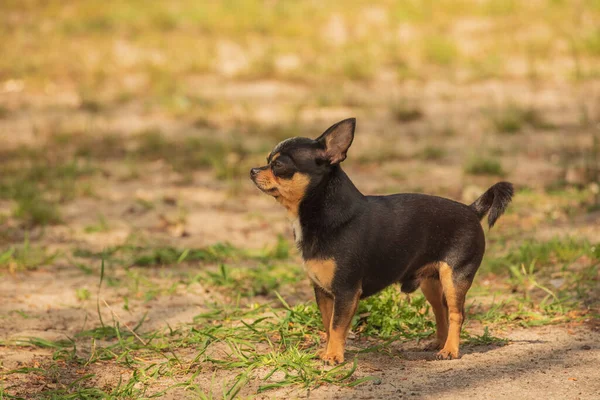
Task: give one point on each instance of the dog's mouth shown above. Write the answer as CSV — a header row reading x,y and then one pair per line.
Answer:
x,y
272,191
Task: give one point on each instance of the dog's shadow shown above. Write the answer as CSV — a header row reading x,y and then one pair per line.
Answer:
x,y
418,352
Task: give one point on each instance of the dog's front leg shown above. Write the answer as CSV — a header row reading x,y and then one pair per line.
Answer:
x,y
344,306
325,303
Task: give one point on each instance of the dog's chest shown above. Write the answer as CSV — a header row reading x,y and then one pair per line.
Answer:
x,y
297,228
321,272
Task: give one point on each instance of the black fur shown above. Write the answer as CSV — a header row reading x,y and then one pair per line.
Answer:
x,y
379,240
495,200
376,241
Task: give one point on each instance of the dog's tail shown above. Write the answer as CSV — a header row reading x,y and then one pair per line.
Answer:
x,y
494,200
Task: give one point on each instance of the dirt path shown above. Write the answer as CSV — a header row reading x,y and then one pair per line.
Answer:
x,y
550,362
152,206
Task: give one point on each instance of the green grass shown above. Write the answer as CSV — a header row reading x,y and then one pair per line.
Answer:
x,y
354,39
100,226
549,281
278,340
592,43
513,118
262,280
273,343
557,251
226,155
149,256
264,270
25,257
485,339
38,181
405,111
432,153
391,314
440,50
484,166
83,294
257,336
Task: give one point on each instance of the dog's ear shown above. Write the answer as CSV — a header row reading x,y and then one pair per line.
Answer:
x,y
337,140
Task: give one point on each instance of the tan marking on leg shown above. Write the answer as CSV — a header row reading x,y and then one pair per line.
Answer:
x,y
325,303
432,289
337,334
455,297
430,270
321,272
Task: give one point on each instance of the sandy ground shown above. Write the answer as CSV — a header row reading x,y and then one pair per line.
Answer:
x,y
550,362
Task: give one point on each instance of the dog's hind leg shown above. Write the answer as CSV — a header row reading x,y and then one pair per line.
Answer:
x,y
432,289
455,288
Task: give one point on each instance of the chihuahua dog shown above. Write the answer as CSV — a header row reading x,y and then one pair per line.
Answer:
x,y
354,245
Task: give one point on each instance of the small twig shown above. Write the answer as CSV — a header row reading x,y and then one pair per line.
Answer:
x,y
124,324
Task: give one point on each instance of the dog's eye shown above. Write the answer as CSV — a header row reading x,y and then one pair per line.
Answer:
x,y
280,169
276,165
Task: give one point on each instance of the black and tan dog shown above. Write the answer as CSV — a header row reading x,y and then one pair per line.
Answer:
x,y
355,245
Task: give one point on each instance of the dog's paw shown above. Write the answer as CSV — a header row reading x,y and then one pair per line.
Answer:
x,y
447,354
331,358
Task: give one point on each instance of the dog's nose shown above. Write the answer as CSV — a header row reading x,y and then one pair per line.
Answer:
x,y
253,172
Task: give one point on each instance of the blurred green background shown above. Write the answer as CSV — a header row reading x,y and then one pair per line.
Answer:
x,y
450,96
128,128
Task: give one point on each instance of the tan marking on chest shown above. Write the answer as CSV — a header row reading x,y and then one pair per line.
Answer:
x,y
321,272
297,228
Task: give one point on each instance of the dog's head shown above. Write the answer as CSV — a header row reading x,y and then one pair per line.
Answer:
x,y
297,163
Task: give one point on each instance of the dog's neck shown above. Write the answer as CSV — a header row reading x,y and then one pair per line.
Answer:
x,y
328,205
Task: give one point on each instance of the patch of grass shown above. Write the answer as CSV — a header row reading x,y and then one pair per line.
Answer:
x,y
225,154
91,104
224,157
357,67
405,111
392,313
550,280
274,345
513,118
484,166
432,153
38,181
378,155
100,226
592,43
440,50
83,294
157,256
35,209
25,257
555,251
3,112
262,280
484,339
191,153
